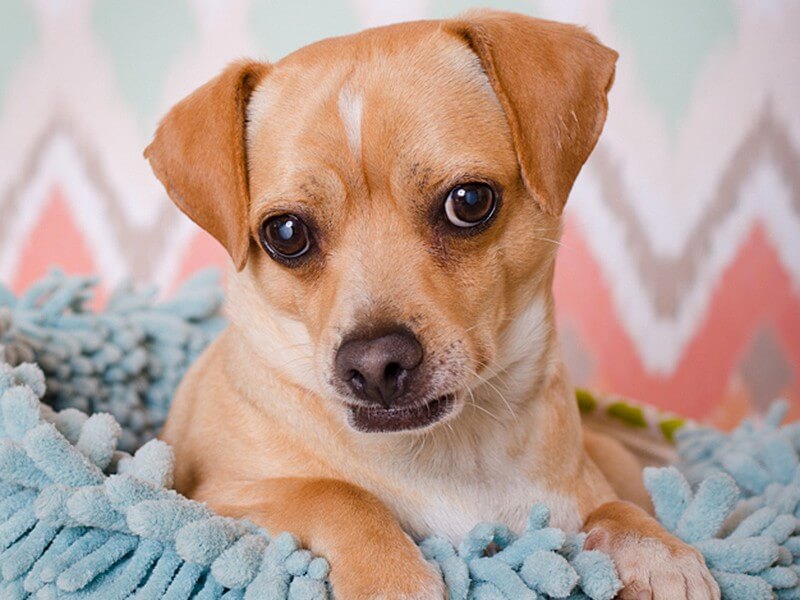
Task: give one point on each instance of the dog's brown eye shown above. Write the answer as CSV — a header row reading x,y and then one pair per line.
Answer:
x,y
285,237
469,204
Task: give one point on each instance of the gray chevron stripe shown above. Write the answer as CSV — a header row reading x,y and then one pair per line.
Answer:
x,y
668,279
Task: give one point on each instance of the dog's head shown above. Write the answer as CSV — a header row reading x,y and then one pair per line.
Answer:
x,y
391,201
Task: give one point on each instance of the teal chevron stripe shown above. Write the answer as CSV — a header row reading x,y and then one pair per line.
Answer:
x,y
142,38
671,41
282,27
17,34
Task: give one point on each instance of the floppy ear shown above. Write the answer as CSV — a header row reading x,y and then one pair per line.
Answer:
x,y
199,155
552,80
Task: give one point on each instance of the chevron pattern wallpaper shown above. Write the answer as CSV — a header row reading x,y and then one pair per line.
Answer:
x,y
679,274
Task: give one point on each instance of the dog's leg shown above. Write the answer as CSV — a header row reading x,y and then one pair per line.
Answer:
x,y
619,466
371,557
652,564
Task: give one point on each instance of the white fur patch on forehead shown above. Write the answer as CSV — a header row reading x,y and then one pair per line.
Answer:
x,y
351,105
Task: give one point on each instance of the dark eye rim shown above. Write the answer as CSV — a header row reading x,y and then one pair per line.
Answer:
x,y
289,260
480,226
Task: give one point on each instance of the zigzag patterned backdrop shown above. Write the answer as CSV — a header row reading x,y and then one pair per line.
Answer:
x,y
679,274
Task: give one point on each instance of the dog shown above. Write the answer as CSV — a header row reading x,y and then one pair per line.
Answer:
x,y
392,201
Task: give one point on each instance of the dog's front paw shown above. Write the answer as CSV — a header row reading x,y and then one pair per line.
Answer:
x,y
413,579
655,568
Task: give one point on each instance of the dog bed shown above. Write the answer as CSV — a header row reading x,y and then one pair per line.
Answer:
x,y
86,509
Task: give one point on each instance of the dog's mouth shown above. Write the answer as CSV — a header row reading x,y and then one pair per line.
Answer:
x,y
375,419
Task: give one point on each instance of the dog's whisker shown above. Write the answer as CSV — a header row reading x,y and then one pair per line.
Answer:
x,y
474,404
499,393
297,345
293,360
485,410
338,431
495,375
421,446
552,241
500,322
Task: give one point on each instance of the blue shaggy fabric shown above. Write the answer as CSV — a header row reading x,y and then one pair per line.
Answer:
x,y
81,517
126,360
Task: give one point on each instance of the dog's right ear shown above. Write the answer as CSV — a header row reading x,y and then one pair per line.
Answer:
x,y
199,155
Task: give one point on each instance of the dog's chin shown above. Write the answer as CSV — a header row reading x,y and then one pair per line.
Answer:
x,y
417,417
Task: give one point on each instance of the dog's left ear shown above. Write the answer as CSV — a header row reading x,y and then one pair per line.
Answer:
x,y
199,154
552,80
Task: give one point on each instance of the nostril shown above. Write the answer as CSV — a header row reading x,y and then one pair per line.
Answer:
x,y
392,372
356,379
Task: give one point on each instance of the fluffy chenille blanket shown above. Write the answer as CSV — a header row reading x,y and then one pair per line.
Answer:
x,y
86,509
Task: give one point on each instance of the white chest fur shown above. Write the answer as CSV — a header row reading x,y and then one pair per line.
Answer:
x,y
452,510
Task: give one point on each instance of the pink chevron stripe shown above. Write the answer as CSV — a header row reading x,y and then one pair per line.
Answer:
x,y
55,241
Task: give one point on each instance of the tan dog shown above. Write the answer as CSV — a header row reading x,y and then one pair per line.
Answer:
x,y
391,201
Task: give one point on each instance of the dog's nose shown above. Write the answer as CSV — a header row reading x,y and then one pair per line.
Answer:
x,y
377,369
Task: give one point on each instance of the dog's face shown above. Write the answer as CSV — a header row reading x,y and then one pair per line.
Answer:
x,y
392,200
393,223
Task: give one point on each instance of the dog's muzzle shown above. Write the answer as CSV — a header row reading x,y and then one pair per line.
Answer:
x,y
383,374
